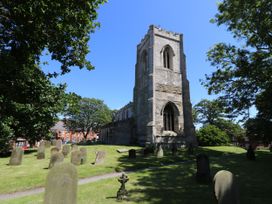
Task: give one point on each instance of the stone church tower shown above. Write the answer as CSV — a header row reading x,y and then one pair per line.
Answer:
x,y
162,109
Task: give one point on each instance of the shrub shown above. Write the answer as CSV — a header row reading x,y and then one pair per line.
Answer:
x,y
210,135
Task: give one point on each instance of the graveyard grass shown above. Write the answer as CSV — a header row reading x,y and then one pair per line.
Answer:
x,y
166,184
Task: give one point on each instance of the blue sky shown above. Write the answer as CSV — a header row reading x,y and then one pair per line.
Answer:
x,y
123,25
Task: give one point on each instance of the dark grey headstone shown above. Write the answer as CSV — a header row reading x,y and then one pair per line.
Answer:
x,y
132,154
250,153
225,188
203,174
174,149
61,185
100,157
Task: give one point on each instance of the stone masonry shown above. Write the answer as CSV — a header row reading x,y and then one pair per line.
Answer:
x,y
161,108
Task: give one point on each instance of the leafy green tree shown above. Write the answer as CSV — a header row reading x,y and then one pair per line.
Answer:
x,y
243,72
258,129
208,112
233,130
210,135
90,115
29,102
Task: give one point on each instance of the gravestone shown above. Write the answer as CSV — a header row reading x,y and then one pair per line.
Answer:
x,y
225,188
55,159
74,147
16,157
174,149
59,144
159,151
41,151
54,150
122,193
190,149
61,185
76,157
54,142
47,144
203,174
250,153
66,150
100,157
132,154
42,143
83,151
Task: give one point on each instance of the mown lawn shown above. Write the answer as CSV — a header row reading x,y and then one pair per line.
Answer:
x,y
32,172
176,183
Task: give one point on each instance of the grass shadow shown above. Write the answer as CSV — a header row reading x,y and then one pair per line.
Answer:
x,y
177,184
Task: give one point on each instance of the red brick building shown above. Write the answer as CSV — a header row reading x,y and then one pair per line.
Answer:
x,y
61,132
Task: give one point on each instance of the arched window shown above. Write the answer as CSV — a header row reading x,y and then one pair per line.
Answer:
x,y
168,118
168,55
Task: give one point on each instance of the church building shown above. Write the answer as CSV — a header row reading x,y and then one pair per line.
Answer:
x,y
161,111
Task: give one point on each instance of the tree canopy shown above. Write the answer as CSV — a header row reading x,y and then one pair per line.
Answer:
x,y
243,72
89,114
29,102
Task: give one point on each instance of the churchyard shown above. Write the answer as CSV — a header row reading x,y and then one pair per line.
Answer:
x,y
152,179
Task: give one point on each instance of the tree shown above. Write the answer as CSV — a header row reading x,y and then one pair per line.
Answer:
x,y
243,73
29,102
208,112
210,135
90,115
233,130
258,129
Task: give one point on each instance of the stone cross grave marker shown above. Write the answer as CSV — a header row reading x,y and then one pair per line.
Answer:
x,y
61,185
122,193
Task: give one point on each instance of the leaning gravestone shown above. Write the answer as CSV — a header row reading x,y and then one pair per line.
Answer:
x,y
55,159
66,150
132,154
100,157
76,157
42,143
61,185
83,151
203,174
54,150
59,144
225,188
16,157
41,151
159,152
